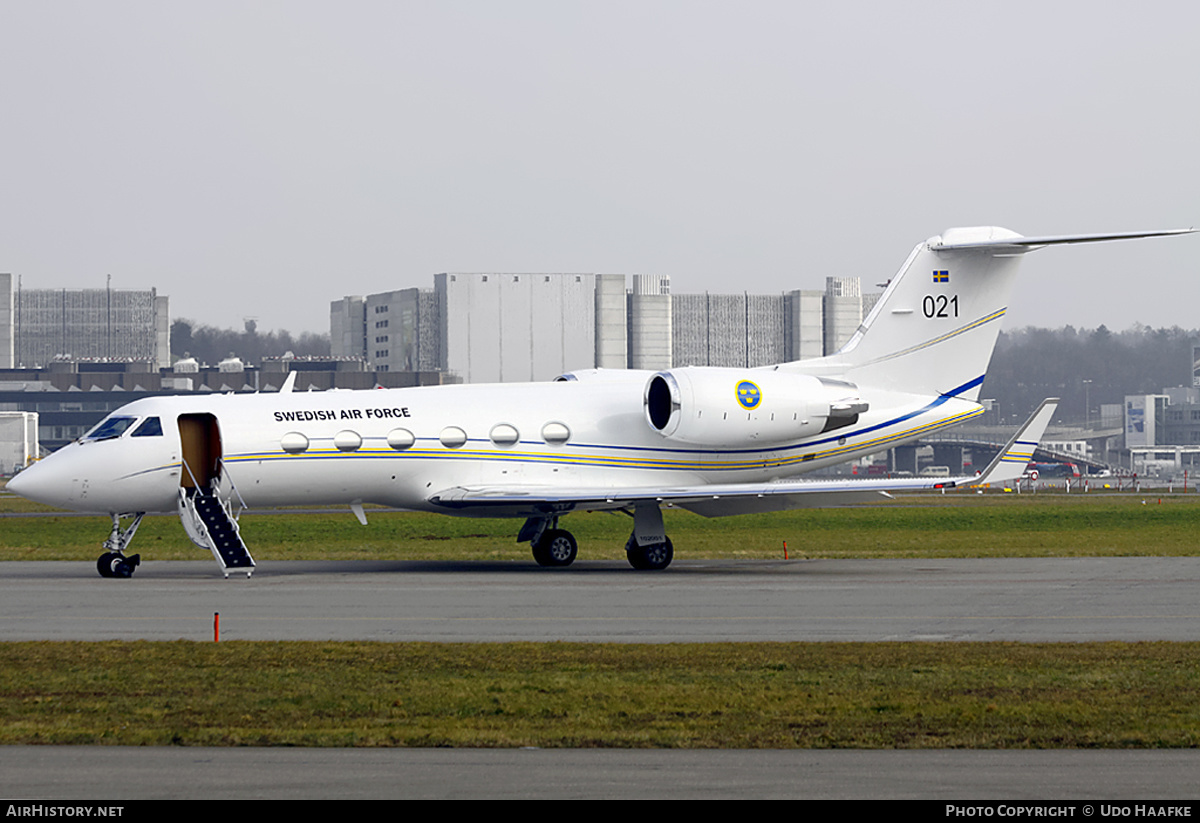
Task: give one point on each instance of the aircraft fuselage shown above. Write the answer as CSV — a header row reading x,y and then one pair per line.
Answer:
x,y
396,447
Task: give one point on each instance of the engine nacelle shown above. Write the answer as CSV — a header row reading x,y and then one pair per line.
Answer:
x,y
728,407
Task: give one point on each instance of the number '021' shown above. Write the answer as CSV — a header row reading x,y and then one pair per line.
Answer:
x,y
939,305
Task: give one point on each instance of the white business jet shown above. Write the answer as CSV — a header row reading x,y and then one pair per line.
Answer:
x,y
716,441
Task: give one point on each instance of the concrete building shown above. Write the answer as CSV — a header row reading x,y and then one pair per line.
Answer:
x,y
348,327
806,324
8,351
1180,423
612,330
394,331
505,327
38,326
1162,431
732,330
843,311
650,337
402,330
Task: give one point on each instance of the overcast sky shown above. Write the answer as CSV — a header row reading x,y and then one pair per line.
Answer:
x,y
259,159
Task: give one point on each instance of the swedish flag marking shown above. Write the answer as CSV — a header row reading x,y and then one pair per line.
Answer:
x,y
941,277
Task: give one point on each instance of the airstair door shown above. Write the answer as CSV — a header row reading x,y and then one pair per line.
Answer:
x,y
206,514
200,438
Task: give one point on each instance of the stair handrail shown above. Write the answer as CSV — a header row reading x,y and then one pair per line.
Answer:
x,y
190,507
233,487
188,469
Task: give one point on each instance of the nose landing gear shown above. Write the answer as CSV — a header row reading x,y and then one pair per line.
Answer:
x,y
114,563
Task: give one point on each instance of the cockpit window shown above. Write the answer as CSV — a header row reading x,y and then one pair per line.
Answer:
x,y
110,428
151,427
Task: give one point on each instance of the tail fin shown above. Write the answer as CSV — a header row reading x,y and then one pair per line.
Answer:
x,y
934,328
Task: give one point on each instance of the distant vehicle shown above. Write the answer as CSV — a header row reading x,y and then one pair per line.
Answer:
x,y
1043,470
935,471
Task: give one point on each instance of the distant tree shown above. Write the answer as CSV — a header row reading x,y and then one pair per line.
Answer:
x,y
181,338
211,345
1030,364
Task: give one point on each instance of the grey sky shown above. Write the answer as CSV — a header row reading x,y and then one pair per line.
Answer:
x,y
263,158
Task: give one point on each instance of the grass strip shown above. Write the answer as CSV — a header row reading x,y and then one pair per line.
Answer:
x,y
1096,524
718,695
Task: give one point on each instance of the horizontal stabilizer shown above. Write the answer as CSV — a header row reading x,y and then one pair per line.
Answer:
x,y
1023,244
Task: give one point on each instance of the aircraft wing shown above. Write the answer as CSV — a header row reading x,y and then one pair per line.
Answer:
x,y
718,500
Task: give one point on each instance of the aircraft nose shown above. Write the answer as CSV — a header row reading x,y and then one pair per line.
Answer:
x,y
41,483
17,482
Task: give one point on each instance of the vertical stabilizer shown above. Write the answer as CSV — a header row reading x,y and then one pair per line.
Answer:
x,y
934,328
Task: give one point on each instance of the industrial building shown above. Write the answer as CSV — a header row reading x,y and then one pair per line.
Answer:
x,y
38,326
512,327
1162,431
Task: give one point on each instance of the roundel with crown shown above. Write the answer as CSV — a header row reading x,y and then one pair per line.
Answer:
x,y
748,395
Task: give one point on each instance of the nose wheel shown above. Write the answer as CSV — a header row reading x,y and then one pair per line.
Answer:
x,y
112,564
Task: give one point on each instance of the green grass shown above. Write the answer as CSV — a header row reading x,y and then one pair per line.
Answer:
x,y
744,695
953,525
727,695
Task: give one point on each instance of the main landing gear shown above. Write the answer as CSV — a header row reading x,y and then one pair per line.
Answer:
x,y
556,547
648,547
649,558
114,563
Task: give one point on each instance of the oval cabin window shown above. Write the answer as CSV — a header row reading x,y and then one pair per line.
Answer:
x,y
555,432
347,441
452,437
504,434
400,439
294,443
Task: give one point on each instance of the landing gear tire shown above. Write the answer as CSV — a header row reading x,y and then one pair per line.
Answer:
x,y
556,547
649,558
112,564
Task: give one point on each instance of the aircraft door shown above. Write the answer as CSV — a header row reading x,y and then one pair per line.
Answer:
x,y
200,441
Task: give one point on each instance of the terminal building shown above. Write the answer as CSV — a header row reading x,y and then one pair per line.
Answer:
x,y
513,327
1162,431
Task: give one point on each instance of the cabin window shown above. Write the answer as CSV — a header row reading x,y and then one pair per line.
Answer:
x,y
555,432
503,434
294,443
452,437
151,427
347,441
111,427
400,438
